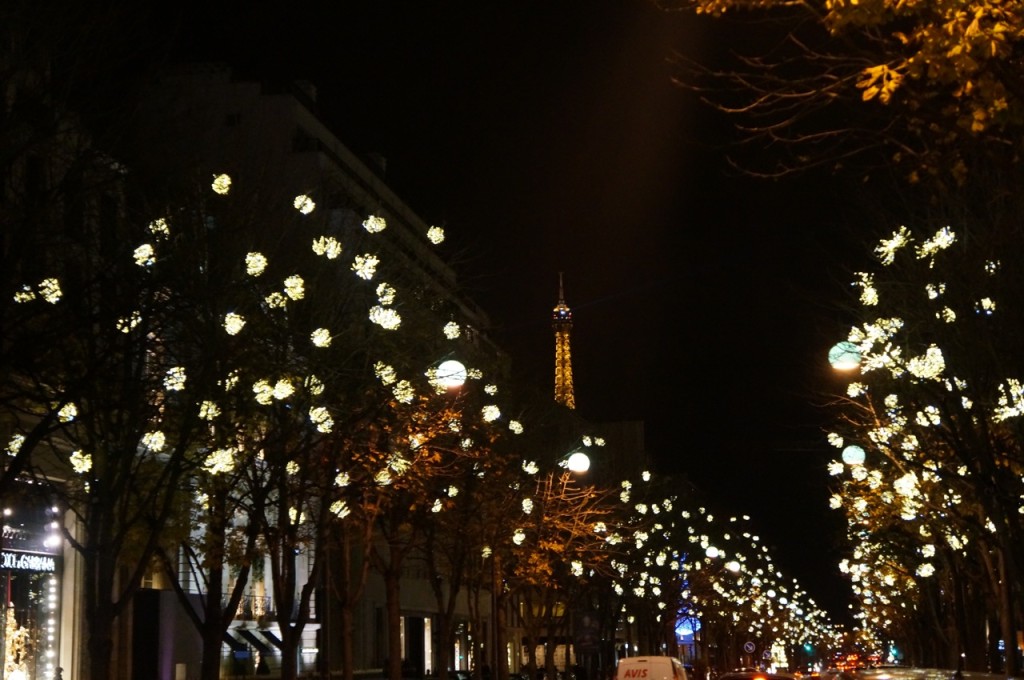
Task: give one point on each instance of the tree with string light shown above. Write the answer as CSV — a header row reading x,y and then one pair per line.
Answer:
x,y
936,406
560,541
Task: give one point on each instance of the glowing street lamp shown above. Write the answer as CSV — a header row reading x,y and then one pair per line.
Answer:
x,y
853,455
844,356
578,462
451,374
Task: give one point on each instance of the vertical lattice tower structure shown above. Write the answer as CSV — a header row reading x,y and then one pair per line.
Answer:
x,y
561,321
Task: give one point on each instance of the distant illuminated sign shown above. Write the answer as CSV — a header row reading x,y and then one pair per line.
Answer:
x,y
22,561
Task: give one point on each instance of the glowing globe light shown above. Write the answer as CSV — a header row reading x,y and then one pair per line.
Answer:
x,y
853,455
451,373
578,462
844,356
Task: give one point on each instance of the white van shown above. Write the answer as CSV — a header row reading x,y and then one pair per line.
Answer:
x,y
650,668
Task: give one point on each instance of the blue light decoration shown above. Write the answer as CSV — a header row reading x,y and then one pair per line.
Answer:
x,y
686,628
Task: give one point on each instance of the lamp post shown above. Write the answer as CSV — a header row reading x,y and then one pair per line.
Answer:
x,y
576,463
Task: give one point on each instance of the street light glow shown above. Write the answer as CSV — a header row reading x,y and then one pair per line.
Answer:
x,y
578,462
853,455
844,356
451,373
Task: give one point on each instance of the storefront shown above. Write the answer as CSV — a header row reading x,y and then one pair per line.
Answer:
x,y
30,575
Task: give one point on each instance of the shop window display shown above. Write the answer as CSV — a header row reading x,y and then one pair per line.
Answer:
x,y
30,572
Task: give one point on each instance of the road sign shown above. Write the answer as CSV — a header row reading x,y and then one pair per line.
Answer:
x,y
749,647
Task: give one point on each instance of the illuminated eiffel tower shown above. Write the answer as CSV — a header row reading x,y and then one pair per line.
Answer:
x,y
561,321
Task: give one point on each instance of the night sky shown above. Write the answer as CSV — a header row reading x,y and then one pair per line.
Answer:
x,y
547,137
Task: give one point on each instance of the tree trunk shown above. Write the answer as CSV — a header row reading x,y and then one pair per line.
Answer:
x,y
100,618
209,665
350,588
532,627
394,622
99,585
1007,626
499,603
442,655
549,644
289,653
211,627
348,663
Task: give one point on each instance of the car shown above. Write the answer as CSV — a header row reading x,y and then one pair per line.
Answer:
x,y
754,674
650,668
836,674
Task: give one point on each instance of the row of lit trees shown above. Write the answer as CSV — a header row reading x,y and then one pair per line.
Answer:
x,y
235,380
208,391
680,567
640,559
